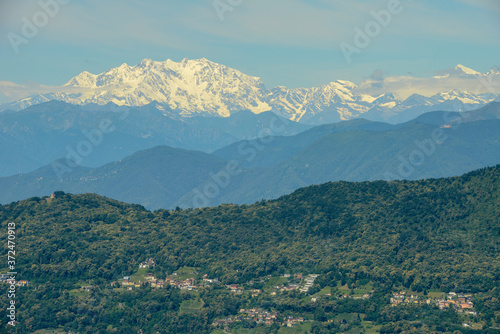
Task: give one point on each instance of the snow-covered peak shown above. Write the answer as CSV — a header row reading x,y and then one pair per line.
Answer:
x,y
462,96
193,86
386,99
84,79
347,84
465,70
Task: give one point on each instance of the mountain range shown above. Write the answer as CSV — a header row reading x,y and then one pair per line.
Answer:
x,y
204,88
42,133
436,144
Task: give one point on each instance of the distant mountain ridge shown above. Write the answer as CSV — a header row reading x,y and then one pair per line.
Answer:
x,y
42,133
204,88
434,145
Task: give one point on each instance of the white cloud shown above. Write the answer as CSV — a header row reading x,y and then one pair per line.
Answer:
x,y
14,92
448,80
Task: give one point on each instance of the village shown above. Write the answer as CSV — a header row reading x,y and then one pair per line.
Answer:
x,y
185,280
259,317
461,303
190,280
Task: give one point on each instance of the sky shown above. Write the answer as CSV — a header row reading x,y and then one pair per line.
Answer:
x,y
293,43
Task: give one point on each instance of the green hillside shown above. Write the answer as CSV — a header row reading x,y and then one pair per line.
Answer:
x,y
427,237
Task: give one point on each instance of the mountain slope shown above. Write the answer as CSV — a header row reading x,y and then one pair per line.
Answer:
x,y
154,178
347,217
269,167
256,153
266,152
46,132
405,153
421,236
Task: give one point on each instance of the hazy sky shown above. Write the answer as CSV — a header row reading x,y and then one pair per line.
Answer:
x,y
294,43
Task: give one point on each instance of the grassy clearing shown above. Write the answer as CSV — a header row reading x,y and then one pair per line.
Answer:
x,y
191,306
358,291
50,331
256,330
350,317
300,329
369,328
323,292
79,293
185,273
139,275
436,294
274,281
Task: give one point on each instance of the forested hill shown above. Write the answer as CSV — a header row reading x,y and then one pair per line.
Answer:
x,y
431,234
434,232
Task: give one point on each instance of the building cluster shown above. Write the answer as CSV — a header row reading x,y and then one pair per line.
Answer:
x,y
459,302
173,280
309,282
296,282
149,263
292,321
259,317
462,303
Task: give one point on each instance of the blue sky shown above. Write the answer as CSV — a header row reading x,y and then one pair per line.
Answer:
x,y
294,43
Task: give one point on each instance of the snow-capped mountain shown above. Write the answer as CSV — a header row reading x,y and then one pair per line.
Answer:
x,y
202,87
190,86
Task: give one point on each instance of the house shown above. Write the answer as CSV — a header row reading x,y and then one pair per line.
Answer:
x,y
149,263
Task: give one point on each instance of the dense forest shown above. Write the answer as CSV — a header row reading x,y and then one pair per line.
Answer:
x,y
424,236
